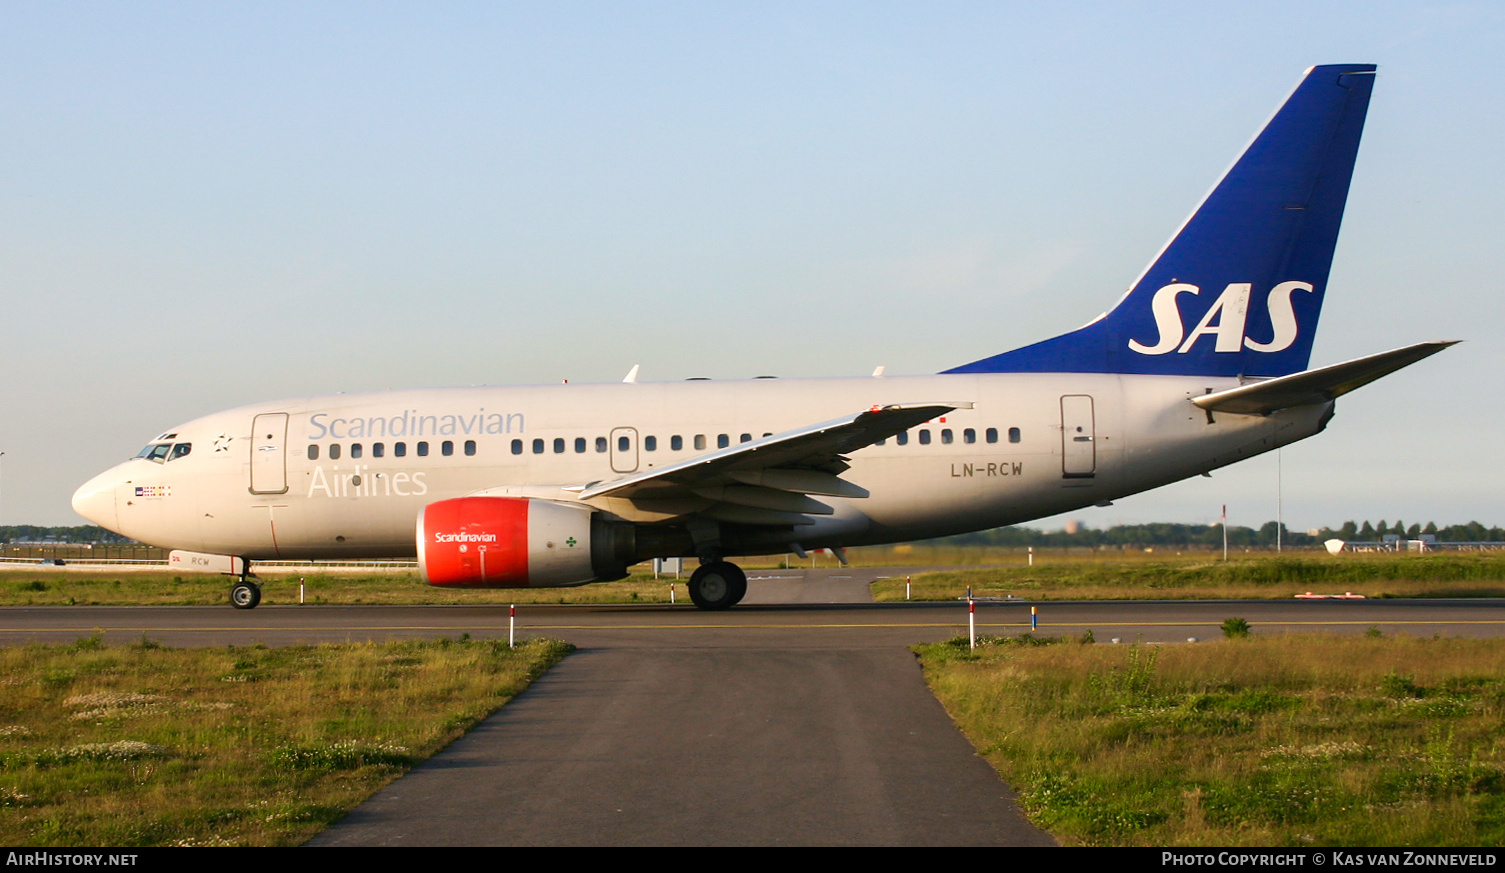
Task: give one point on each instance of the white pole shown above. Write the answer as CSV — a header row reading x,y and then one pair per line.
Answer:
x,y
906,587
971,624
1280,499
671,593
300,590
1032,556
512,626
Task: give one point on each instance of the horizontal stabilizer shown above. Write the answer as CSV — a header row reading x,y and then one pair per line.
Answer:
x,y
1316,386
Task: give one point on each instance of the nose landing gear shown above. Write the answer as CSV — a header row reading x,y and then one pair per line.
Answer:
x,y
718,585
245,594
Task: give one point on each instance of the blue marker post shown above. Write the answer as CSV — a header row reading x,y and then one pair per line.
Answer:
x,y
1034,618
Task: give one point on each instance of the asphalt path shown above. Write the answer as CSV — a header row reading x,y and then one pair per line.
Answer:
x,y
798,718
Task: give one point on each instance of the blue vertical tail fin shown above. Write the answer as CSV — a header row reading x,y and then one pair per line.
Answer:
x,y
1238,289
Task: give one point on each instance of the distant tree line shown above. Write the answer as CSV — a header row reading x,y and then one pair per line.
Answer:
x,y
1169,534
81,533
1123,536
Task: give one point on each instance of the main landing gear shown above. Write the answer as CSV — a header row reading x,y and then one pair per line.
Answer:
x,y
718,585
245,594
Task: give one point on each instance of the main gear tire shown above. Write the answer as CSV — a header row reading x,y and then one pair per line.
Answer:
x,y
718,585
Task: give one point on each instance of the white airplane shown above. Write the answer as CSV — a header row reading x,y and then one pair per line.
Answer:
x,y
1202,363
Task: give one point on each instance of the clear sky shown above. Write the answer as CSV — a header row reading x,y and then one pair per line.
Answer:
x,y
207,205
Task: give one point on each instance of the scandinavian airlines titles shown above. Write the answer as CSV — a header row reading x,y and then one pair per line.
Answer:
x,y
362,483
411,424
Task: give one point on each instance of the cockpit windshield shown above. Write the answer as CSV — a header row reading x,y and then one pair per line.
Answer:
x,y
164,452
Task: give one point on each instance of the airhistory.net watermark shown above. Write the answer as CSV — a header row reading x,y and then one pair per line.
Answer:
x,y
68,859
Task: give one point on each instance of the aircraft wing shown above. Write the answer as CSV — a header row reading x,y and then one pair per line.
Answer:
x,y
770,479
1316,386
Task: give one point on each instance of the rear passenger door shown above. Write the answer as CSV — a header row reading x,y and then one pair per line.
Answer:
x,y
1078,437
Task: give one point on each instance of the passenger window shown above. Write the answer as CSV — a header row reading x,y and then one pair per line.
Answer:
x,y
746,438
517,447
538,447
180,450
677,443
722,440
400,450
902,438
470,447
946,436
1013,434
650,444
992,434
355,450
969,436
600,444
579,445
334,451
624,444
423,449
700,442
313,451
447,448
924,437
558,445
378,450
882,442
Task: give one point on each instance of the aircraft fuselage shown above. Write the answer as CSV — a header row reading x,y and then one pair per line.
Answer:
x,y
346,476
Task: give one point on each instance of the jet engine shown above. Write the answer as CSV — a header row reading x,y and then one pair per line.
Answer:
x,y
517,542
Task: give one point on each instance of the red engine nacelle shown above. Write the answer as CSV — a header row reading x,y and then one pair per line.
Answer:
x,y
516,542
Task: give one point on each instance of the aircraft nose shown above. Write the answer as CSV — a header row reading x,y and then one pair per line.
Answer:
x,y
95,500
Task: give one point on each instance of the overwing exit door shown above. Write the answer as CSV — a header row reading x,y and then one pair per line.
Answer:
x,y
624,450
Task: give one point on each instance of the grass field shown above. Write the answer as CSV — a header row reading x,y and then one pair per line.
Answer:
x,y
1054,576
76,586
141,745
1202,577
1094,576
1288,741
